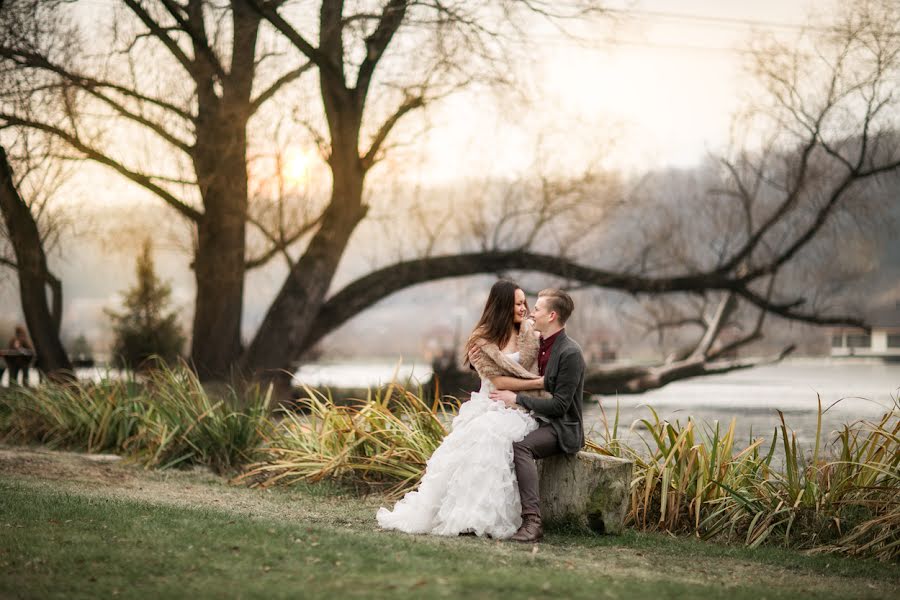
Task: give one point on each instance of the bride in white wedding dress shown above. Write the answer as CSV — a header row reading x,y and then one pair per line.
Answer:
x,y
469,484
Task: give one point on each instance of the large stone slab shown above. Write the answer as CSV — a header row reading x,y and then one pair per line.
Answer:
x,y
585,490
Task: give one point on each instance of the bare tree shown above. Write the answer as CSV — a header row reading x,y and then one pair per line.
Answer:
x,y
186,78
30,226
784,210
376,66
171,81
350,53
30,264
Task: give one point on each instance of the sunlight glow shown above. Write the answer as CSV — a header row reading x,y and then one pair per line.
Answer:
x,y
295,167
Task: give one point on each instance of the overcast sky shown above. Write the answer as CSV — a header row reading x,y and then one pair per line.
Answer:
x,y
658,83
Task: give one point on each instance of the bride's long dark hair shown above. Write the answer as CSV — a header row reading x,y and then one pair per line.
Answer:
x,y
497,320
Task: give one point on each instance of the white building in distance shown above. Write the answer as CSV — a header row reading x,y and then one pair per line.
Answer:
x,y
882,342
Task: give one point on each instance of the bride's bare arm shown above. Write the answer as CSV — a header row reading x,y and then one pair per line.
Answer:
x,y
514,384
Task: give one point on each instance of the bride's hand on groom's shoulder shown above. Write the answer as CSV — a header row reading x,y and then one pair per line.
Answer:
x,y
474,352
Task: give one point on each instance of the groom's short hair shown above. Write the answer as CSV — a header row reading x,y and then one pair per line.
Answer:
x,y
559,302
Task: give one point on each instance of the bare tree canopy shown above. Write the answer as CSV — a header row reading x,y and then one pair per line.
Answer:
x,y
192,79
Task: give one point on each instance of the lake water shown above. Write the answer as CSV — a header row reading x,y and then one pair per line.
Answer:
x,y
360,374
850,389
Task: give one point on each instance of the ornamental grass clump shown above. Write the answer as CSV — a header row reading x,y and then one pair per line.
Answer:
x,y
842,496
163,420
385,439
183,424
95,417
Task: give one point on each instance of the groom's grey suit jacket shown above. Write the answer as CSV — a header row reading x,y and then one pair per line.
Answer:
x,y
564,379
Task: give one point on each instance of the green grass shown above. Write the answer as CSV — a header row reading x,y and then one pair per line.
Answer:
x,y
56,543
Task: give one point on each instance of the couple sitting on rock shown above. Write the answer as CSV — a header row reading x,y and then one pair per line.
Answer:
x,y
483,478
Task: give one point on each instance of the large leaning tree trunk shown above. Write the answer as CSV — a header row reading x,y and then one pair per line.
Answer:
x,y
284,331
35,278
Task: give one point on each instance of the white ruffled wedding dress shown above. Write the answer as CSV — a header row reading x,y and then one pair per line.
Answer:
x,y
469,483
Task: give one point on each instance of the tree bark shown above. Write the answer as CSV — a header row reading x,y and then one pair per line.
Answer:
x,y
281,338
220,161
34,277
219,260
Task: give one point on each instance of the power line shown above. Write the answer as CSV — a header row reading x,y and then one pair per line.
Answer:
x,y
616,42
707,19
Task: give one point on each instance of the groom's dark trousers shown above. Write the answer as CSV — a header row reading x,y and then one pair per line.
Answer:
x,y
540,443
561,428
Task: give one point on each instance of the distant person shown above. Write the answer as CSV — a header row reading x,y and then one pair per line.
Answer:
x,y
19,355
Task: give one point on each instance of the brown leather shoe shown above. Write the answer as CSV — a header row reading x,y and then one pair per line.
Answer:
x,y
530,531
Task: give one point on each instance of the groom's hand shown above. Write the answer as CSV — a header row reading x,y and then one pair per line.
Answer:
x,y
505,396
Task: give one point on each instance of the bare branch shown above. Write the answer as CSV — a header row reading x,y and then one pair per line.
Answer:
x,y
391,18
89,84
786,310
279,83
161,34
789,201
408,105
194,28
725,308
754,335
269,11
280,243
637,379
141,179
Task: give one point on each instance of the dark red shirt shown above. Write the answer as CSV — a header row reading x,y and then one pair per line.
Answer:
x,y
544,352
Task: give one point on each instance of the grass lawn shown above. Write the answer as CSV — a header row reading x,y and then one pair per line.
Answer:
x,y
71,527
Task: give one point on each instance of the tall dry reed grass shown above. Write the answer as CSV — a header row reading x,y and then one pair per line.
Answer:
x,y
386,438
164,420
841,494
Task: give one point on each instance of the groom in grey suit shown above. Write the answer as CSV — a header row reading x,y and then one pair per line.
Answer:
x,y
561,426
